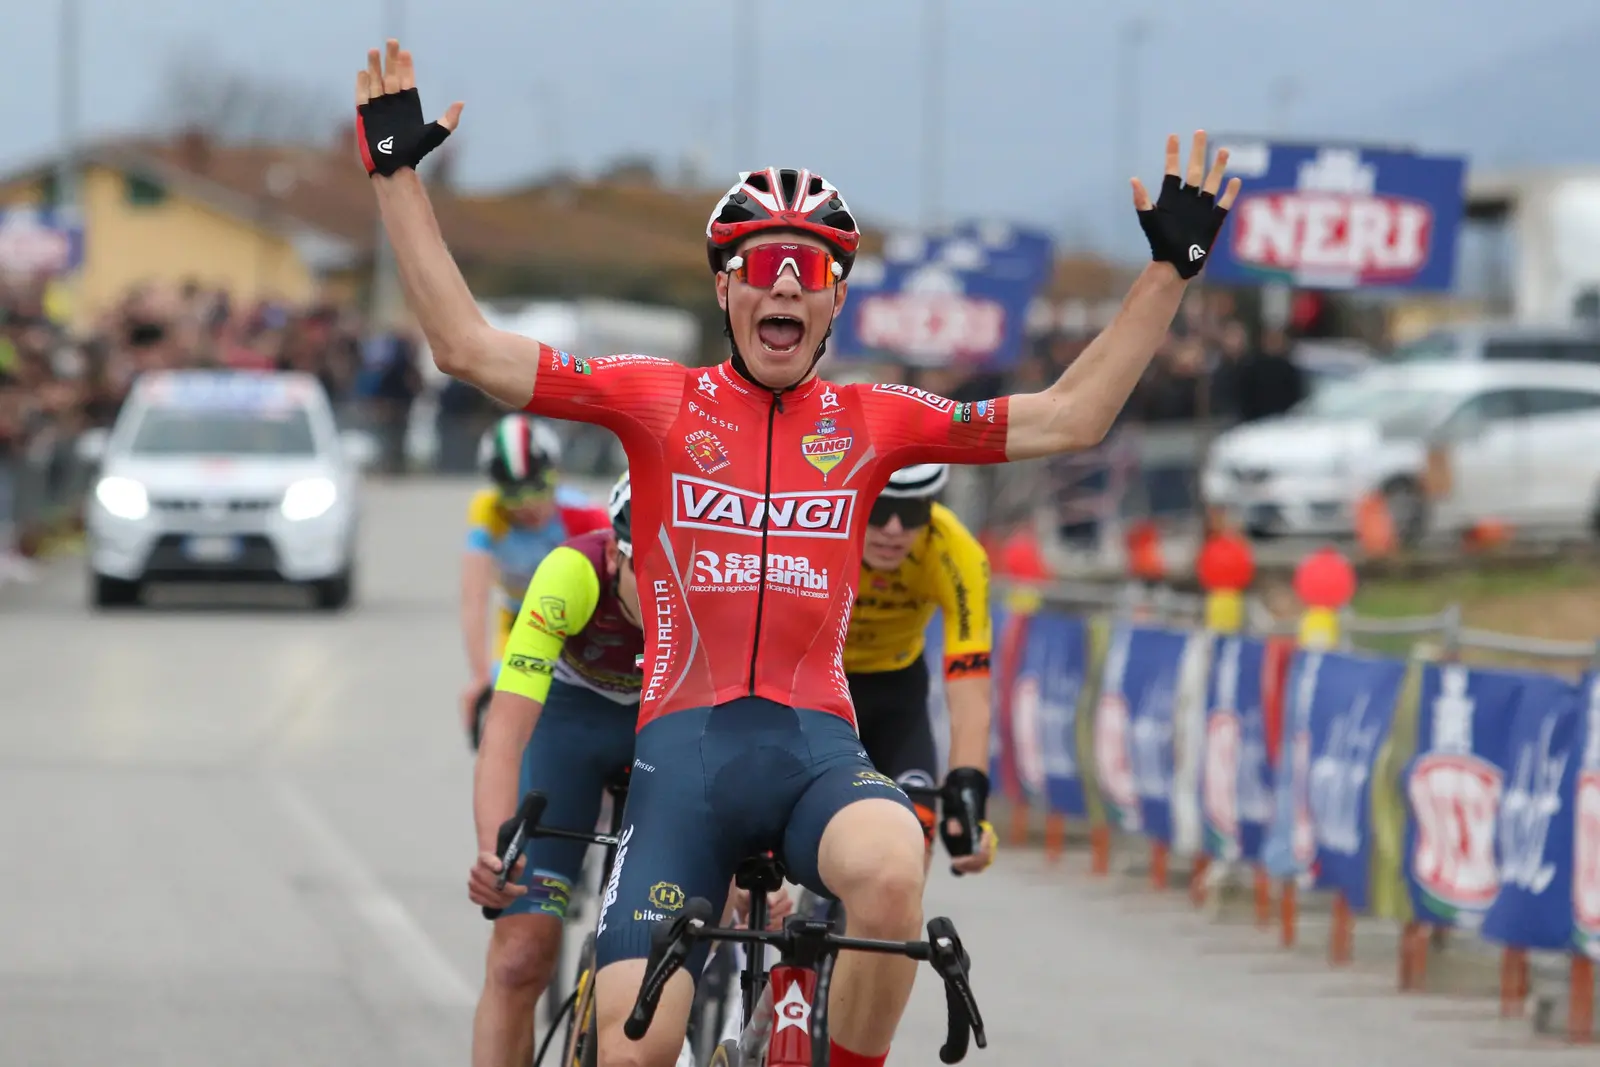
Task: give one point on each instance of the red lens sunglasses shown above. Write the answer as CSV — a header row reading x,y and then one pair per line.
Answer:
x,y
762,265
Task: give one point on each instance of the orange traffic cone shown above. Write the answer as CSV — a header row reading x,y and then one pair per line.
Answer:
x,y
1144,552
1375,530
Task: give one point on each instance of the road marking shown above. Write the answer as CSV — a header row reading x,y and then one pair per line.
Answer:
x,y
434,975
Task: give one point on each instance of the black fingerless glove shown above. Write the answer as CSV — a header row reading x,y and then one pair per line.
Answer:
x,y
1182,225
392,133
965,796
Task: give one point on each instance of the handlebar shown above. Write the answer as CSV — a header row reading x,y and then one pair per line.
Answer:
x,y
512,839
672,940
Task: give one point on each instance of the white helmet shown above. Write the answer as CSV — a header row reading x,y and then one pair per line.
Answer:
x,y
922,482
620,506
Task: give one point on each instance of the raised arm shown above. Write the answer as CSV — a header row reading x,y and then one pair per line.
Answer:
x,y
1077,411
393,140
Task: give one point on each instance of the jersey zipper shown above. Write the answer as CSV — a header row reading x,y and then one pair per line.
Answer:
x,y
766,515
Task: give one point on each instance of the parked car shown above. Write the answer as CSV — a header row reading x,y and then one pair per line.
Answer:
x,y
1448,444
1503,341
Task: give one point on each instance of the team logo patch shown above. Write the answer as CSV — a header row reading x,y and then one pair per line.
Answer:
x,y
961,412
826,448
666,896
984,409
706,451
875,778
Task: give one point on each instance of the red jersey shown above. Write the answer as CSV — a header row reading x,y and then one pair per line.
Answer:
x,y
748,513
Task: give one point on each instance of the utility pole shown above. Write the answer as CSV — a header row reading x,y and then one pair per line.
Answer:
x,y
387,297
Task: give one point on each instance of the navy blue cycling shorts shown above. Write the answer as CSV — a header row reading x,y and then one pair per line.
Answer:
x,y
712,787
581,742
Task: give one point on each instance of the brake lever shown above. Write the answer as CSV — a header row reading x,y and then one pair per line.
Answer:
x,y
670,942
953,965
512,840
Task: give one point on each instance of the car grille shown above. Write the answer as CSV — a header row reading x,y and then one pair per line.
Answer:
x,y
257,559
1251,475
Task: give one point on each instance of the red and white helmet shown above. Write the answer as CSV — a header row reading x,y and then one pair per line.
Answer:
x,y
795,201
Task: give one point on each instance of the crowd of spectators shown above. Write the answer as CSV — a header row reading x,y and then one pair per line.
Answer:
x,y
56,382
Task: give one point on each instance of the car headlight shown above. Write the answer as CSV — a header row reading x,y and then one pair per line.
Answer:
x,y
309,498
123,497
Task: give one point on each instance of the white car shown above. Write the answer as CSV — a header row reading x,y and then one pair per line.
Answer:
x,y
224,476
1517,442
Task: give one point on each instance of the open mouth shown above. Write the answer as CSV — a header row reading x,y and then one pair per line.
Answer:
x,y
780,334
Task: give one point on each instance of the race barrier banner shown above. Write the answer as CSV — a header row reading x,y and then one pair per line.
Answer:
x,y
1236,779
1433,794
1534,843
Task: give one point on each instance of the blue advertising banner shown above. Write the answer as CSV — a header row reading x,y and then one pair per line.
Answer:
x,y
39,241
1133,728
1044,710
1340,217
1534,832
1351,709
1453,787
1586,829
953,299
1235,777
1290,847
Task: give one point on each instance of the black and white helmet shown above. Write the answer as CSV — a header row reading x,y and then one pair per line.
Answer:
x,y
621,508
519,451
925,481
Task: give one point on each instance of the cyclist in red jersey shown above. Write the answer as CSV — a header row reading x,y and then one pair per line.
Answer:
x,y
752,482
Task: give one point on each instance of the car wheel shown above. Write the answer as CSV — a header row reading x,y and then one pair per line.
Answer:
x,y
335,594
1408,510
107,592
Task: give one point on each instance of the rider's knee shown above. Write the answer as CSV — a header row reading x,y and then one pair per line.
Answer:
x,y
522,952
887,897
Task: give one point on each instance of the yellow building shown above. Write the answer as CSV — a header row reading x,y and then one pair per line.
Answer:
x,y
147,217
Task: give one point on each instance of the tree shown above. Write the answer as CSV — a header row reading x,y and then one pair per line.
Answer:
x,y
202,94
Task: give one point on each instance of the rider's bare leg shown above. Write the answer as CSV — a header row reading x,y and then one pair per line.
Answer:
x,y
521,960
615,989
873,858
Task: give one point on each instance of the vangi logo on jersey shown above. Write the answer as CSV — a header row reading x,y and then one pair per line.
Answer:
x,y
698,504
826,448
938,403
707,451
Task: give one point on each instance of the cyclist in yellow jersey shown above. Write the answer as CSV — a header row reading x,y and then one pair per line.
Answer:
x,y
511,527
918,557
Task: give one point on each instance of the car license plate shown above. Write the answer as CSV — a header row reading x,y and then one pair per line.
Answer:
x,y
212,549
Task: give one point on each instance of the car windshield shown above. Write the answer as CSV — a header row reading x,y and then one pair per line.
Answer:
x,y
1435,346
1399,411
185,432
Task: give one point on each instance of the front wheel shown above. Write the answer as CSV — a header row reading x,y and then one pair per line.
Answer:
x,y
107,592
334,594
580,1047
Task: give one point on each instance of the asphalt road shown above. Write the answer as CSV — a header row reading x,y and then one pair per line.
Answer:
x,y
238,834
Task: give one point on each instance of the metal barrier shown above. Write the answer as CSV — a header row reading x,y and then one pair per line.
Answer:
x,y
48,482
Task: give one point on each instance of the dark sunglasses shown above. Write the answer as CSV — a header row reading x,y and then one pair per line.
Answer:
x,y
911,513
761,266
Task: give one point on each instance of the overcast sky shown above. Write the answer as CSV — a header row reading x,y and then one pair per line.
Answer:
x,y
1031,117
